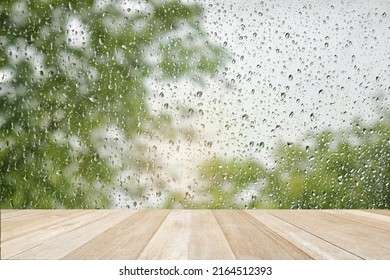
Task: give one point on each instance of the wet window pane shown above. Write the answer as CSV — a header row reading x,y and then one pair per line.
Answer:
x,y
194,104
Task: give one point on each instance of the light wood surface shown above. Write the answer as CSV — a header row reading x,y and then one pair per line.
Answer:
x,y
195,234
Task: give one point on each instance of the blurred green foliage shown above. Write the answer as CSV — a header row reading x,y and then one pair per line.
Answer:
x,y
347,169
344,169
227,180
77,67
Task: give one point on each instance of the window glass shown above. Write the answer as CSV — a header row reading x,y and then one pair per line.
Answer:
x,y
194,104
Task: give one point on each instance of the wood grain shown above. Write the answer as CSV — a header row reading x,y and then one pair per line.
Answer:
x,y
8,214
251,239
60,246
367,218
42,234
23,225
312,245
187,234
125,240
359,239
379,212
195,234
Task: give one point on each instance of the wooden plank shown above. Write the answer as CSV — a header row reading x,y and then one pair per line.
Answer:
x,y
207,240
36,238
188,234
25,224
126,240
315,247
71,240
8,214
195,234
356,238
367,218
251,239
384,212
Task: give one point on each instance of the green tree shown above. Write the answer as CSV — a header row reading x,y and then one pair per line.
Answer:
x,y
73,68
231,183
344,169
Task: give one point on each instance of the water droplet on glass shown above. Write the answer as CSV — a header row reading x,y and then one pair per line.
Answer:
x,y
261,145
93,98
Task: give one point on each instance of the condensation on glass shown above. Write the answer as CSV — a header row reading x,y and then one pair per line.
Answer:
x,y
194,104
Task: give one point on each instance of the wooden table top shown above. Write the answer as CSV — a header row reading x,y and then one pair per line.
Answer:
x,y
195,234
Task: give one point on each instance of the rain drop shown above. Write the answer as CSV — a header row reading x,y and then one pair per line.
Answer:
x,y
245,117
199,94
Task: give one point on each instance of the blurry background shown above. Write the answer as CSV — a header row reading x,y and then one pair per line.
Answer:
x,y
194,104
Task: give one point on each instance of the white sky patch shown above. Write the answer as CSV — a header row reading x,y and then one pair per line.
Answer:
x,y
60,137
76,143
113,145
5,75
296,67
140,25
311,66
102,4
22,51
20,13
77,34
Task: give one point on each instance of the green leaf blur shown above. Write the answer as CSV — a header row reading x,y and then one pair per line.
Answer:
x,y
79,89
62,91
